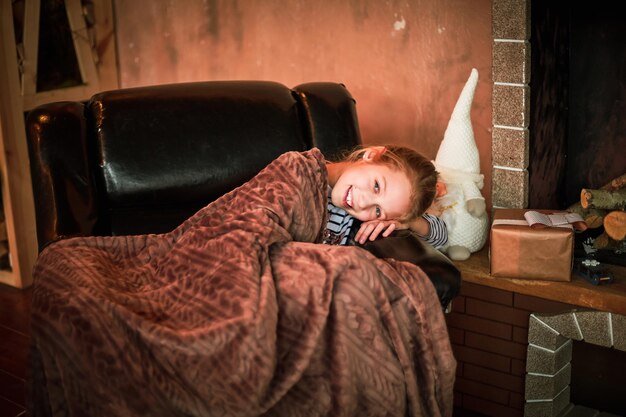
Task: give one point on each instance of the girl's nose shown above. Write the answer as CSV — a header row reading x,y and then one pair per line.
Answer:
x,y
364,200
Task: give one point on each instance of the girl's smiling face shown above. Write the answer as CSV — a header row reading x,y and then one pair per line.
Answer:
x,y
369,191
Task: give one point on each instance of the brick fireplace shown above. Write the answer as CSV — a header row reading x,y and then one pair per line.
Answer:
x,y
514,351
498,370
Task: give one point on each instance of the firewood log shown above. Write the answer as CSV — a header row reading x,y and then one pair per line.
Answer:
x,y
615,224
603,199
592,217
604,241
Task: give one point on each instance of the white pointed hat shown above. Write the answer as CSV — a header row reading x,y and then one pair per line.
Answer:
x,y
458,150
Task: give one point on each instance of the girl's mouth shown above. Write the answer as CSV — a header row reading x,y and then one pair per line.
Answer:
x,y
348,199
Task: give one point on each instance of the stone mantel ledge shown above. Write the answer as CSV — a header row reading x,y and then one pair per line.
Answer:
x,y
609,297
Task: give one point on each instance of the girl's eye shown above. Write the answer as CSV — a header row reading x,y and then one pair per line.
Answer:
x,y
376,186
378,213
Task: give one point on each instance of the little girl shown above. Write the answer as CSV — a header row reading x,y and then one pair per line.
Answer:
x,y
379,189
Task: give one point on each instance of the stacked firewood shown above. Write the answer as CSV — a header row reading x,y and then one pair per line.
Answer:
x,y
605,206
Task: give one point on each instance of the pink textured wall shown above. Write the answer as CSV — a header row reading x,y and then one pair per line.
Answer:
x,y
405,62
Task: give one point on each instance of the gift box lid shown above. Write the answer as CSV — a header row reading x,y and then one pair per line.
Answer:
x,y
540,218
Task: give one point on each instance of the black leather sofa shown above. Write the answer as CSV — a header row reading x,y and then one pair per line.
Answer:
x,y
142,160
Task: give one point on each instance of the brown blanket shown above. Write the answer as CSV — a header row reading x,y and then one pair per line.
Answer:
x,y
237,312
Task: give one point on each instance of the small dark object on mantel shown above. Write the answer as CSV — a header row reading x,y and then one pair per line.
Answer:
x,y
593,271
585,247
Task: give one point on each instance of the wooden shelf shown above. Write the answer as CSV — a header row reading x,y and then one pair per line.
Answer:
x,y
18,94
17,196
610,297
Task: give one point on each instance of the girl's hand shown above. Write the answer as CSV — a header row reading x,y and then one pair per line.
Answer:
x,y
373,228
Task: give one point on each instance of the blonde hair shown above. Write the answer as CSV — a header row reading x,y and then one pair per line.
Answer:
x,y
421,173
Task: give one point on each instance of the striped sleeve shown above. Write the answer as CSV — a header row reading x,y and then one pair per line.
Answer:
x,y
437,232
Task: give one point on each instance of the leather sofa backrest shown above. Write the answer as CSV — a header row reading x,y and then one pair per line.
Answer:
x,y
142,160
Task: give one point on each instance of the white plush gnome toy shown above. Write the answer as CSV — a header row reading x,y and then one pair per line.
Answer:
x,y
463,206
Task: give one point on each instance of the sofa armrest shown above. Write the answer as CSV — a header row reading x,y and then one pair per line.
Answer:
x,y
65,202
404,246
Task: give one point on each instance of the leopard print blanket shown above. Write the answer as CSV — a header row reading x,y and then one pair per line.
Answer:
x,y
237,312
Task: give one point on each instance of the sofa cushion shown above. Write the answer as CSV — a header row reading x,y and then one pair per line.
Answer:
x,y
169,145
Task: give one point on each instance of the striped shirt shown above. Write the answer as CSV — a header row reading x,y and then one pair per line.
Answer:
x,y
339,225
340,230
437,231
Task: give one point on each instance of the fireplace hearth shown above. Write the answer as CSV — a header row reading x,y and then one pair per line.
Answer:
x,y
549,360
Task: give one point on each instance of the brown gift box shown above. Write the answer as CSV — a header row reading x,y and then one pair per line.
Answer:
x,y
519,251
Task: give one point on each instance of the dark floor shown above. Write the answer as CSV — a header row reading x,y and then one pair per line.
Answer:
x,y
14,337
